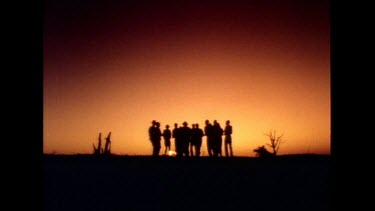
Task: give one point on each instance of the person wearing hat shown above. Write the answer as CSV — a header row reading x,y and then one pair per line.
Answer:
x,y
185,133
155,137
151,129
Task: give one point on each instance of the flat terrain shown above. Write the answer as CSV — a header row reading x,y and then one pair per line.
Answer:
x,y
84,182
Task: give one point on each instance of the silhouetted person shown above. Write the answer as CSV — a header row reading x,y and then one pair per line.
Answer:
x,y
177,140
167,139
155,137
185,134
228,139
208,132
196,140
192,143
217,139
151,130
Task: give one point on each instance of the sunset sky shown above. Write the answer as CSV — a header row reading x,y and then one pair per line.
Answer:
x,y
117,65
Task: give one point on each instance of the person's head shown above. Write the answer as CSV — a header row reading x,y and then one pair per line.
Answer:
x,y
157,124
175,125
196,125
185,124
153,122
227,122
207,122
167,126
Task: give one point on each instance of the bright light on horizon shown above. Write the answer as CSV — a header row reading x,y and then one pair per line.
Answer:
x,y
171,153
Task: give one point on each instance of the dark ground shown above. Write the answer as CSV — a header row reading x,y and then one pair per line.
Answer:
x,y
83,182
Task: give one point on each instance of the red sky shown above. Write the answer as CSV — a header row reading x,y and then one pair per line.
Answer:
x,y
111,66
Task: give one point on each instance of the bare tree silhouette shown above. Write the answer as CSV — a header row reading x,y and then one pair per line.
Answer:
x,y
107,147
98,150
276,141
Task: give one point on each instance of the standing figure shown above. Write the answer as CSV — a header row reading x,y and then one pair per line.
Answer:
x,y
228,139
185,135
167,139
196,139
155,137
192,140
151,131
218,140
208,133
177,139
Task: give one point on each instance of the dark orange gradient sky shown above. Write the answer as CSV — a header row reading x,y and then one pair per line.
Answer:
x,y
111,66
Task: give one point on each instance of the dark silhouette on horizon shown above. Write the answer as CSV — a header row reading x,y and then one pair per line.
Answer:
x,y
167,139
196,140
107,146
155,137
262,152
228,139
192,142
217,139
98,150
188,141
184,134
208,132
275,142
175,135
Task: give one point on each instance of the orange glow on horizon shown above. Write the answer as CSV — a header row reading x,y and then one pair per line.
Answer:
x,y
260,75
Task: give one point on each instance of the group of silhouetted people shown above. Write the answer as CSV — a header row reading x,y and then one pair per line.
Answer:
x,y
188,141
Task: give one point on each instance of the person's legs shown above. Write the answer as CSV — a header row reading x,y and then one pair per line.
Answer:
x,y
226,149
157,148
191,149
209,147
198,149
219,147
165,145
230,149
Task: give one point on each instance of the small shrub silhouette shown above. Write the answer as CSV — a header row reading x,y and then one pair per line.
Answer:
x,y
98,150
262,152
